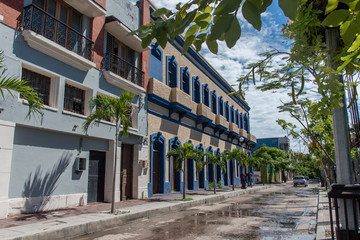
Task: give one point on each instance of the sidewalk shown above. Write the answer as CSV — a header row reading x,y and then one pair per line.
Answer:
x,y
66,223
323,231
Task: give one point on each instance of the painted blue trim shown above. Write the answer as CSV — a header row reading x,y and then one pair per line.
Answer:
x,y
213,102
246,123
227,113
232,118
205,94
237,118
221,106
184,73
219,81
201,175
157,137
156,62
158,100
241,121
178,183
171,62
196,92
193,128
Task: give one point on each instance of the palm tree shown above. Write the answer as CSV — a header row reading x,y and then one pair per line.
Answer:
x,y
235,154
216,160
182,153
12,83
118,109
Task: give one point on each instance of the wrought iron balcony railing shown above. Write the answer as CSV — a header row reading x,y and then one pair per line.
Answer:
x,y
41,22
123,69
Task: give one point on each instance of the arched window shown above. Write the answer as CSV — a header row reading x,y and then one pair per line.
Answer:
x,y
196,89
246,122
241,121
206,95
237,118
157,163
171,71
155,62
227,110
232,114
213,102
185,79
221,106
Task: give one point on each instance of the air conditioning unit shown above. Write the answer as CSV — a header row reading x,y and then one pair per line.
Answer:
x,y
80,164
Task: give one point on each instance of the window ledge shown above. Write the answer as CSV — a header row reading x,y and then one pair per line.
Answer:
x,y
53,109
74,114
56,51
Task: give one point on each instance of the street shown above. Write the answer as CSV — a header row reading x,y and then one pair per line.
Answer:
x,y
281,212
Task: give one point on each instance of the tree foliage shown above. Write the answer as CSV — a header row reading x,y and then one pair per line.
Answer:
x,y
216,160
118,110
208,21
181,154
237,155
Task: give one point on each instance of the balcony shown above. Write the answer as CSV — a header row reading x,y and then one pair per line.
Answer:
x,y
251,138
205,116
233,127
179,96
159,89
220,124
48,35
87,7
243,133
122,74
121,32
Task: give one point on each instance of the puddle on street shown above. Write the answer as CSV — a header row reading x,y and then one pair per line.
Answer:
x,y
269,220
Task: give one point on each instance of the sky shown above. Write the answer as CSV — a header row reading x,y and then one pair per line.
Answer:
x,y
231,64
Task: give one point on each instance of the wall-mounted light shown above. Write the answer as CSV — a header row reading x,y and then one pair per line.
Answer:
x,y
241,139
74,128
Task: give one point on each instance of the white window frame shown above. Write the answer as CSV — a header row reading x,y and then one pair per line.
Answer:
x,y
54,86
88,95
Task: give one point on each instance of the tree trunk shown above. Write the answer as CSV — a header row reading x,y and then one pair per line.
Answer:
x,y
184,181
214,166
233,176
114,172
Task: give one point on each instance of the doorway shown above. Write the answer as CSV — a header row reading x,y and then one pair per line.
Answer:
x,y
96,178
127,152
156,167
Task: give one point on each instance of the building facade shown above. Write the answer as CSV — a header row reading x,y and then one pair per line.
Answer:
x,y
188,101
70,51
282,143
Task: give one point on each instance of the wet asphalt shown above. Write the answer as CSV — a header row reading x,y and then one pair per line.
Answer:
x,y
281,212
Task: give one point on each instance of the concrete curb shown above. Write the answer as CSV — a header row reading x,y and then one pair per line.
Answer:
x,y
74,226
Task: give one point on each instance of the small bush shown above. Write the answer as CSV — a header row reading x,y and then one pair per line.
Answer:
x,y
211,185
219,184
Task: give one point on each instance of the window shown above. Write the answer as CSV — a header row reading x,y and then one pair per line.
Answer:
x,y
196,89
57,24
39,82
237,118
185,80
232,114
221,106
241,121
171,71
213,102
206,95
227,110
246,124
74,99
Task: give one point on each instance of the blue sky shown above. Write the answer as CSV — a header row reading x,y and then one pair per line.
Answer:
x,y
231,64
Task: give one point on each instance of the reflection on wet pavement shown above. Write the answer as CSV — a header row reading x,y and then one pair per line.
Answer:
x,y
277,213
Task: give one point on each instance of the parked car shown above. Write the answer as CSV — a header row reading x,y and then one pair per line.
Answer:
x,y
300,180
